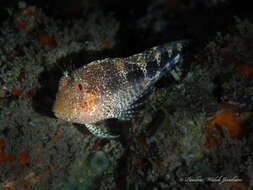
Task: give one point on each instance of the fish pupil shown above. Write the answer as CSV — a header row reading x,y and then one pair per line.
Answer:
x,y
80,87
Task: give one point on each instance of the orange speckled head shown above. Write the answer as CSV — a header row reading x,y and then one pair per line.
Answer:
x,y
77,101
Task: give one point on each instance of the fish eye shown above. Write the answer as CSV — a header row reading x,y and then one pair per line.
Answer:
x,y
79,86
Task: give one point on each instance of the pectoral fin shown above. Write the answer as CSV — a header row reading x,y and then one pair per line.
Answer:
x,y
99,131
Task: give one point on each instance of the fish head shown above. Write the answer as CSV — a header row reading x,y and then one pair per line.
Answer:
x,y
76,101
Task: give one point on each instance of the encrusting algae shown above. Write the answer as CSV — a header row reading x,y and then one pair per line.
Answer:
x,y
111,88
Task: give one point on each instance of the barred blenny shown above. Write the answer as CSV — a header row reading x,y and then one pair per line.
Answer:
x,y
110,88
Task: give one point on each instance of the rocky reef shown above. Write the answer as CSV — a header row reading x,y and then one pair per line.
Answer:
x,y
193,132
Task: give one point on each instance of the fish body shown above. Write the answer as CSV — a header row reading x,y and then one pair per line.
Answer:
x,y
110,88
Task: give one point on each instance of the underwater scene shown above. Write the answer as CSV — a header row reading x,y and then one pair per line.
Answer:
x,y
126,95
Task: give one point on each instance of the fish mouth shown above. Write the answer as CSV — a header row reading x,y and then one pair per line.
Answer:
x,y
63,115
59,115
60,109
64,111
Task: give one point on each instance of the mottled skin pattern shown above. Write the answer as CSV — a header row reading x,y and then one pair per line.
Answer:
x,y
108,88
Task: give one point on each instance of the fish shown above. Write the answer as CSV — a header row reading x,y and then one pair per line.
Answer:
x,y
111,87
